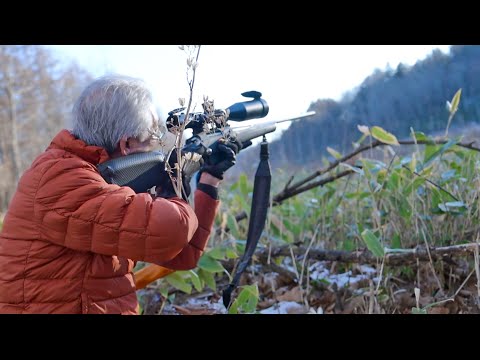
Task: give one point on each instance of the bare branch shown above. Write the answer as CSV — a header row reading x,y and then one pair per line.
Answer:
x,y
392,257
372,145
290,192
177,181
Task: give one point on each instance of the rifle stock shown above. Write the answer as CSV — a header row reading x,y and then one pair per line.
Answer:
x,y
149,274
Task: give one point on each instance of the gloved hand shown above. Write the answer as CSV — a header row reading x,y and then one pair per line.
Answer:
x,y
222,158
165,188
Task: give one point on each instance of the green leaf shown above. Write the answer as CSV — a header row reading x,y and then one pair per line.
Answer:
x,y
299,206
414,185
233,225
373,243
360,228
455,101
176,280
354,168
359,141
209,279
164,291
291,226
209,264
393,182
420,136
217,253
413,164
381,176
246,302
231,254
195,280
278,228
429,151
240,245
243,203
234,186
243,183
435,198
416,310
348,245
396,244
357,195
383,298
405,209
383,136
430,155
334,153
373,166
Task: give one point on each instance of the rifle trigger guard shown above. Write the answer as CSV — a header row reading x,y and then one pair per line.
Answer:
x,y
195,145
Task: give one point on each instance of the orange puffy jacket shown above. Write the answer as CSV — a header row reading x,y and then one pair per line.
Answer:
x,y
70,240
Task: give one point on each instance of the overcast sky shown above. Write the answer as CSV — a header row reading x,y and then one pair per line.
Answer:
x,y
290,77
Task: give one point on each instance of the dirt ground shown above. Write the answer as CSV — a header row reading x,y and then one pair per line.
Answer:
x,y
333,288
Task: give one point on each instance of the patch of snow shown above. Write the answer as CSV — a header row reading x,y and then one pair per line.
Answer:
x,y
207,304
319,271
218,306
318,311
367,269
283,307
287,263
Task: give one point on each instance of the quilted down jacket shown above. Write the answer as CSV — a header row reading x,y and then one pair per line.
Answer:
x,y
70,240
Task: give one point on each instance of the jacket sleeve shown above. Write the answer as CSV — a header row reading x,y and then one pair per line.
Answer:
x,y
205,208
75,207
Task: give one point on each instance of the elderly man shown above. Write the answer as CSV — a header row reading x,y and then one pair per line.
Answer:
x,y
70,240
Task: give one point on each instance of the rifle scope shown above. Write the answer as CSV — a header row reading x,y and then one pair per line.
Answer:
x,y
246,110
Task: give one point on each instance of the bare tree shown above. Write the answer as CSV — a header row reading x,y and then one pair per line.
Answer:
x,y
36,95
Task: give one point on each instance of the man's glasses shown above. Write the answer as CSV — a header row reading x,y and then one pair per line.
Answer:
x,y
156,134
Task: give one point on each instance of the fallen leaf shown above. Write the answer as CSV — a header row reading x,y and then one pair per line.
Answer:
x,y
294,294
438,310
353,304
265,304
297,310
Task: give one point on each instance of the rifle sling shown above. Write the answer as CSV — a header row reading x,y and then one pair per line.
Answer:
x,y
258,216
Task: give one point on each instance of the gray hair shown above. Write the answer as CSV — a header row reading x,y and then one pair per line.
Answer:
x,y
111,107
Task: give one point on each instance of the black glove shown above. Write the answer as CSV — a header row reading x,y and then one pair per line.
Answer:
x,y
165,188
222,158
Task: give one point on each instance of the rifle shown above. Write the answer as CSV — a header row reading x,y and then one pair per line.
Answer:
x,y
140,171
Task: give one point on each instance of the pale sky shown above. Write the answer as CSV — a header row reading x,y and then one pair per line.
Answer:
x,y
290,77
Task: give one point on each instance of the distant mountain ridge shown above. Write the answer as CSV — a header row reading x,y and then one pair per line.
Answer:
x,y
395,99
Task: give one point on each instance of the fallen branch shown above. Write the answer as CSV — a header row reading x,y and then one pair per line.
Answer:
x,y
291,276
393,257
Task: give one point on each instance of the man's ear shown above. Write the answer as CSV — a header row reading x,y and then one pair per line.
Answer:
x,y
124,146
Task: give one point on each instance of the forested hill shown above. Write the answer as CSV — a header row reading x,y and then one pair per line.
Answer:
x,y
395,99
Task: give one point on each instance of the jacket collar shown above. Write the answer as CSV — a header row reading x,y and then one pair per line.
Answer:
x,y
66,141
